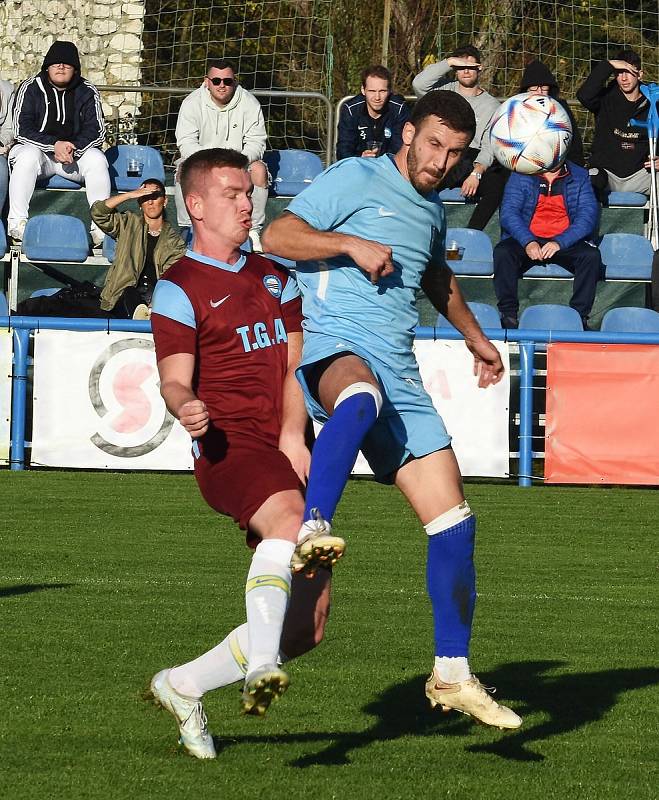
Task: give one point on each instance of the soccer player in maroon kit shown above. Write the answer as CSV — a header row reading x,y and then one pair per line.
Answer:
x,y
227,330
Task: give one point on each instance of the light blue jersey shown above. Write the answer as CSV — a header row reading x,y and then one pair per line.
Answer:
x,y
345,312
369,198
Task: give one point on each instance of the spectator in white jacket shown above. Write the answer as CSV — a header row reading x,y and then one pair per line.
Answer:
x,y
220,113
6,136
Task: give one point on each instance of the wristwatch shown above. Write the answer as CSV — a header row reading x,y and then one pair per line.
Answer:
x,y
477,175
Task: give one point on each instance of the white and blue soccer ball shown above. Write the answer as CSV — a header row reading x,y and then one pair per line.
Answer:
x,y
530,133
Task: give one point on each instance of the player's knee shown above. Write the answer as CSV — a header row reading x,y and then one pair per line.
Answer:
x,y
366,395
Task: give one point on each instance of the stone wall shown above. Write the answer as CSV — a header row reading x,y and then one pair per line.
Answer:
x,y
107,34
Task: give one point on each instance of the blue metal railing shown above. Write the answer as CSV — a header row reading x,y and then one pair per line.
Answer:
x,y
527,339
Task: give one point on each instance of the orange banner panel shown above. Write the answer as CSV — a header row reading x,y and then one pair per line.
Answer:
x,y
602,422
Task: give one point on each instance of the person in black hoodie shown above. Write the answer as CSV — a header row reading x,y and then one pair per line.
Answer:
x,y
538,79
619,159
59,128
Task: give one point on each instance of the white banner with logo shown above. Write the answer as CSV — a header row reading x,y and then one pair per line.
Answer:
x,y
97,404
477,419
5,393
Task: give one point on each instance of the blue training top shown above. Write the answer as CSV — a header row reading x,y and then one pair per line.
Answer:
x,y
369,198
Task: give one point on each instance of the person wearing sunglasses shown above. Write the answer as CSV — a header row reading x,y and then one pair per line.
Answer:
x,y
221,113
478,174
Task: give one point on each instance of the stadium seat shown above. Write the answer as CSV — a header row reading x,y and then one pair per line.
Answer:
x,y
45,292
109,248
118,158
291,170
57,182
476,252
3,241
551,317
486,315
4,305
630,320
627,256
627,199
452,196
55,237
548,271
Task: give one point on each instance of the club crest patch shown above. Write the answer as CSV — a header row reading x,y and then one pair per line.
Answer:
x,y
273,284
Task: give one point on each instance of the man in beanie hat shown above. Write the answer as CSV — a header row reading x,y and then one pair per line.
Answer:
x,y
539,79
59,128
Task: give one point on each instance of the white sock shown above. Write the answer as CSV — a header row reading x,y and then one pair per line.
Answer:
x,y
266,599
452,670
226,663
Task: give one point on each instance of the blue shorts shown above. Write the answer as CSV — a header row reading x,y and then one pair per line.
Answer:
x,y
408,424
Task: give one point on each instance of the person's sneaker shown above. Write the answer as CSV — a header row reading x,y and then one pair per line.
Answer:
x,y
142,311
189,714
508,321
317,548
471,698
97,236
262,687
255,238
16,231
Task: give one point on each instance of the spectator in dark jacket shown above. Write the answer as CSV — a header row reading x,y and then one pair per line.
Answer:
x,y
619,159
375,117
538,79
59,128
549,217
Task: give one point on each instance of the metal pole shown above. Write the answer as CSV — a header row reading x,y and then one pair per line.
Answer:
x,y
526,352
18,399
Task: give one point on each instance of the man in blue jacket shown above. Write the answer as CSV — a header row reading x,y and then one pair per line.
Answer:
x,y
59,129
549,217
370,123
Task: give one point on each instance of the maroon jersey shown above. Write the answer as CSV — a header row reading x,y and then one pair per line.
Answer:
x,y
235,320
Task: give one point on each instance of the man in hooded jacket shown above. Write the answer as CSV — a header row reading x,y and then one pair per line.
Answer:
x,y
220,113
59,128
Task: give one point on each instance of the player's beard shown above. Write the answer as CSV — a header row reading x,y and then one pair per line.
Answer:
x,y
414,174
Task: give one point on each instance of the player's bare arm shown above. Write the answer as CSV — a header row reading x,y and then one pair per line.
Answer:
x,y
442,289
291,237
176,389
294,414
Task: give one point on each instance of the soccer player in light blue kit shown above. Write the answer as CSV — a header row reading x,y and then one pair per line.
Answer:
x,y
367,234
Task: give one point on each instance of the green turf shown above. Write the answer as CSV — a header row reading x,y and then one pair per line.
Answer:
x,y
106,578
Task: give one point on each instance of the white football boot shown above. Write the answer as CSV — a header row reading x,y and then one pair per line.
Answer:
x,y
189,714
470,697
317,548
262,686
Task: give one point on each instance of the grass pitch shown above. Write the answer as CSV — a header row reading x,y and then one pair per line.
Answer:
x,y
107,578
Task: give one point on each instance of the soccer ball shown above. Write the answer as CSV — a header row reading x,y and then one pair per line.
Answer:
x,y
530,133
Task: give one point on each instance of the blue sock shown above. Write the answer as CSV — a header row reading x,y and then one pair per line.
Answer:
x,y
335,451
451,579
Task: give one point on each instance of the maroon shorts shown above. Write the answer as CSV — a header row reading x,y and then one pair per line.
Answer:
x,y
236,475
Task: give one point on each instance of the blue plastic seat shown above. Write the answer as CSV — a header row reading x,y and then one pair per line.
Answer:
x,y
452,196
627,256
476,252
109,248
57,182
486,315
627,199
3,240
55,237
4,305
118,158
551,317
291,170
548,271
631,320
45,292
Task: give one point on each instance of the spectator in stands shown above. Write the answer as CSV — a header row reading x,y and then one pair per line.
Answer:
x,y
371,123
619,158
220,113
478,174
548,217
538,79
147,245
59,128
6,137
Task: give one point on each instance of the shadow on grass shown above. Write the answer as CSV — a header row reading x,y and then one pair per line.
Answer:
x,y
566,703
28,588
